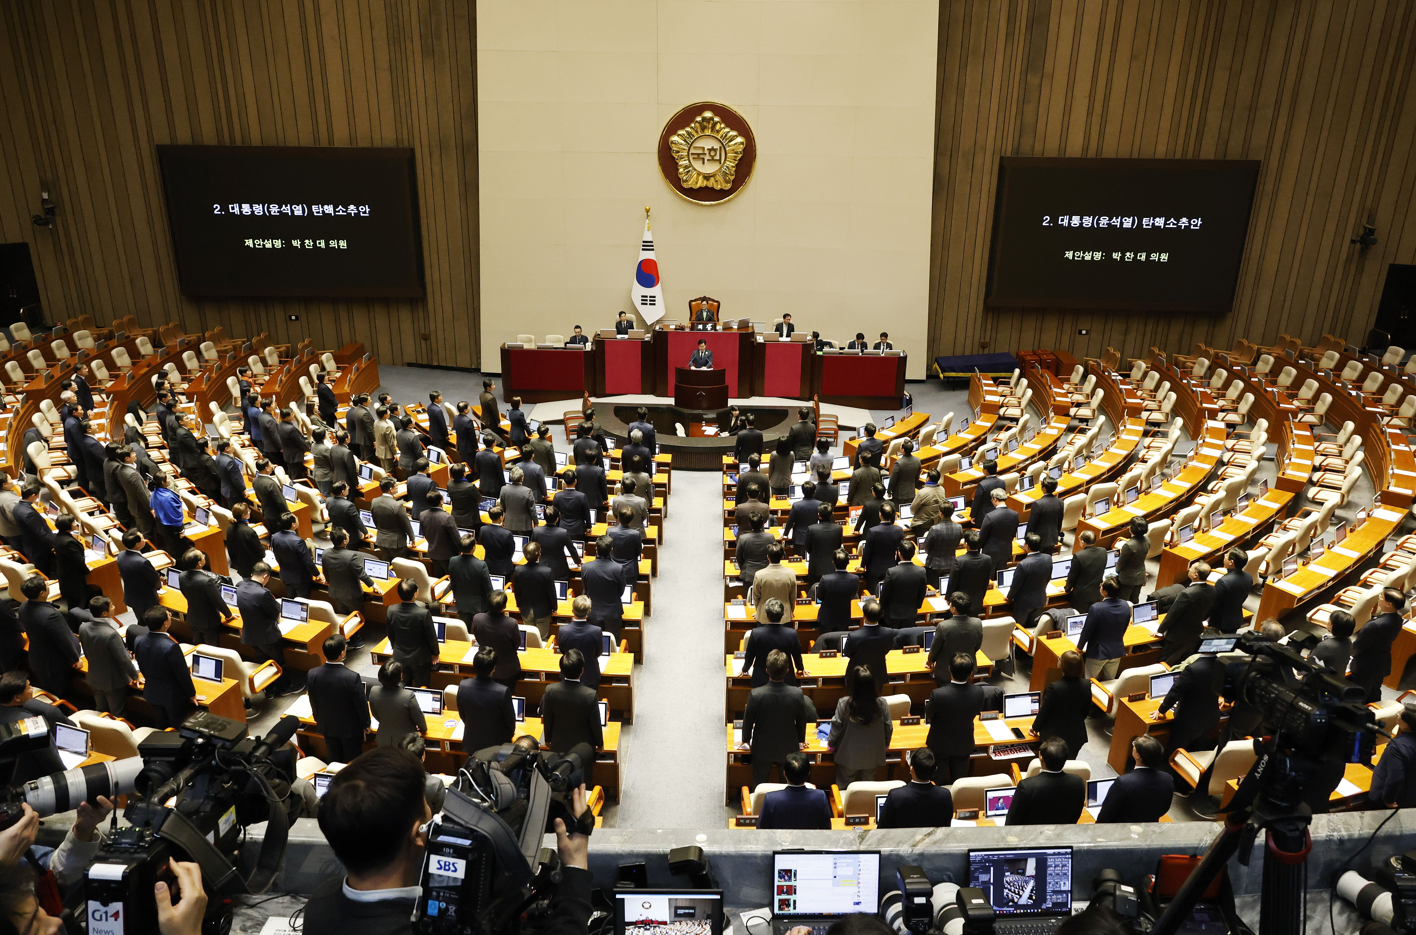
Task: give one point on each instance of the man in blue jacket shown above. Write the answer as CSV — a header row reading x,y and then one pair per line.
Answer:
x,y
167,682
796,807
1102,634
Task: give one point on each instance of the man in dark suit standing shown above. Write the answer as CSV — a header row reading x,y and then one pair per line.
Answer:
x,y
1052,797
1083,587
535,590
835,592
870,449
775,721
268,492
796,807
869,516
961,633
1045,517
484,706
207,613
471,581
1028,593
749,440
570,712
973,571
440,531
1230,591
950,713
1144,794
645,428
998,530
326,402
339,703
1371,650
466,431
869,645
826,491
410,447
604,581
572,505
491,418
272,444
35,534
941,543
344,514
490,476
140,580
243,544
353,425
229,474
767,638
298,571
500,633
877,552
558,550
752,483
498,545
344,570
412,636
1102,638
464,498
293,445
801,517
905,588
167,682
1185,621
1195,697
822,540
1131,561
53,648
803,434
394,531
420,484
437,421
904,475
260,623
919,803
343,465
111,671
628,544
583,635
983,503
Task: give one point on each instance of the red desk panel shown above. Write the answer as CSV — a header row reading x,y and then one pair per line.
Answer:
x,y
624,367
858,376
723,344
537,371
782,368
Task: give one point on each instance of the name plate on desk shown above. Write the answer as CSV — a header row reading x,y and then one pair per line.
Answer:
x,y
1053,635
1137,696
909,649
853,821
828,653
744,821
909,719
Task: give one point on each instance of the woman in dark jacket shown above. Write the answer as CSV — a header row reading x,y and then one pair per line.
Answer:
x,y
71,568
779,471
395,707
1065,705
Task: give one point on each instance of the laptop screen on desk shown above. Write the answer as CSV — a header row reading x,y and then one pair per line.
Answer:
x,y
289,492
1061,568
73,740
417,528
997,801
1187,532
1160,684
1005,578
1144,613
366,472
1112,558
98,544
206,667
366,518
1096,791
825,883
518,707
1022,532
174,578
1023,704
429,700
1074,625
498,582
202,516
841,464
376,569
1133,493
604,713
294,610
1024,881
562,590
321,783
228,596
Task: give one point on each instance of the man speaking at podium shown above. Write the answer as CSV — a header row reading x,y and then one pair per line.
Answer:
x,y
702,358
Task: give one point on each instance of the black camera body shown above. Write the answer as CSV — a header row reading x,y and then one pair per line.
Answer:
x,y
1398,874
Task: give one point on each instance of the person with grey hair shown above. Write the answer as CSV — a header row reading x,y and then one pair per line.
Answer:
x,y
998,530
518,503
1185,621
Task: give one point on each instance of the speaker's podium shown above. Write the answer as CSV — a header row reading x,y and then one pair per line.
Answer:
x,y
700,389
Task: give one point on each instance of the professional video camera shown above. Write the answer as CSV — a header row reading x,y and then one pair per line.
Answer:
x,y
485,863
1310,723
197,791
57,792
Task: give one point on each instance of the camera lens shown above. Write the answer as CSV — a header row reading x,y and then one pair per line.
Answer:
x,y
62,792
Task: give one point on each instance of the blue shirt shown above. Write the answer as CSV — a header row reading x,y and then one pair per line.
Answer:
x,y
167,507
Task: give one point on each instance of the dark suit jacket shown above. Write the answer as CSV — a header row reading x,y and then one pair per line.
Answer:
x,y
1196,691
954,635
94,457
228,472
570,714
437,425
827,493
465,501
558,551
419,486
466,431
270,496
574,509
471,584
803,435
393,529
775,721
321,470
801,518
344,513
1084,580
1104,629
604,581
1048,799
501,635
878,551
795,807
166,679
1130,560
412,635
747,479
490,478
951,710
868,646
293,443
206,611
1029,589
328,403
590,640
764,638
982,503
836,591
36,538
343,466
628,547
270,433
942,544
822,541
344,570
488,717
53,648
297,563
338,700
1063,712
904,592
649,439
498,550
869,451
1371,648
1045,519
996,534
410,449
918,805
1227,614
243,547
972,572
12,643
260,614
440,529
140,581
1185,622
72,571
535,589
1140,795
749,442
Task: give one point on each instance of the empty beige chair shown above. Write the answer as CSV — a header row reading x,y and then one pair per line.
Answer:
x,y
1320,409
899,706
109,735
144,347
305,388
272,357
100,373
257,368
927,434
16,375
1218,379
189,361
533,636
1230,763
556,339
253,677
121,360
1072,508
527,339
1265,365
37,362
1098,492
1106,695
60,350
84,340
1138,369
1392,396
19,331
327,360
968,792
209,352
428,589
1359,602
1329,360
859,797
1071,768
1200,368
1393,356
44,465
1286,376
1156,533
1405,413
997,632
233,386
1372,383
16,574
1351,372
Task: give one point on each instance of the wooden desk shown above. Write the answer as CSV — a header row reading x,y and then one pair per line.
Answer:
x,y
1140,645
1241,529
304,645
1104,467
1280,595
1133,720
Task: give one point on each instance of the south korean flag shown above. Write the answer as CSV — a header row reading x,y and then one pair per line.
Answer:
x,y
647,291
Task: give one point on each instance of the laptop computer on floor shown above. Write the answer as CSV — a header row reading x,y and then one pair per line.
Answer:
x,y
815,889
1030,888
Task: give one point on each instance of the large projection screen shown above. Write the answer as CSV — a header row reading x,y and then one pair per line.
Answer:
x,y
1149,235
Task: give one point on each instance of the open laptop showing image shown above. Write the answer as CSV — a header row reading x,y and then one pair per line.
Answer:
x,y
321,783
1061,568
429,699
1112,558
1005,578
1022,704
366,472
668,912
518,707
816,888
1160,684
290,495
1030,884
604,713
174,578
97,549
627,596
1145,613
1218,644
1096,794
1133,493
1055,471
498,582
1022,532
841,464
206,667
1075,622
562,590
73,744
880,806
228,596
996,803
378,570
366,518
1187,532
296,611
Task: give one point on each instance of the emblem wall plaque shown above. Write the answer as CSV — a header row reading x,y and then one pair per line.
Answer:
x,y
706,152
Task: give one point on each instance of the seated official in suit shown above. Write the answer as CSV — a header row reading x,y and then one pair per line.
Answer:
x,y
585,636
167,682
338,703
702,358
775,721
485,706
919,803
260,625
961,633
796,807
950,713
411,635
870,644
1065,705
905,588
570,712
1143,794
395,707
767,638
1052,797
1101,639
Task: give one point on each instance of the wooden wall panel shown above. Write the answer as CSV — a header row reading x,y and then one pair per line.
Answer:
x,y
91,86
1324,93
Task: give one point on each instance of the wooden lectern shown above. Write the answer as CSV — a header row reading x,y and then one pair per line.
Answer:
x,y
700,389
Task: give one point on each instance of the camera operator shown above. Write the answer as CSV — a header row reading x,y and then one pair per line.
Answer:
x,y
375,817
1394,778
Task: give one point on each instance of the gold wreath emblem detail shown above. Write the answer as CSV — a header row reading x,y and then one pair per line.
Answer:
x,y
707,152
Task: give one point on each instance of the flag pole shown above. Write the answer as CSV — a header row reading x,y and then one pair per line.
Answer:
x,y
646,216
